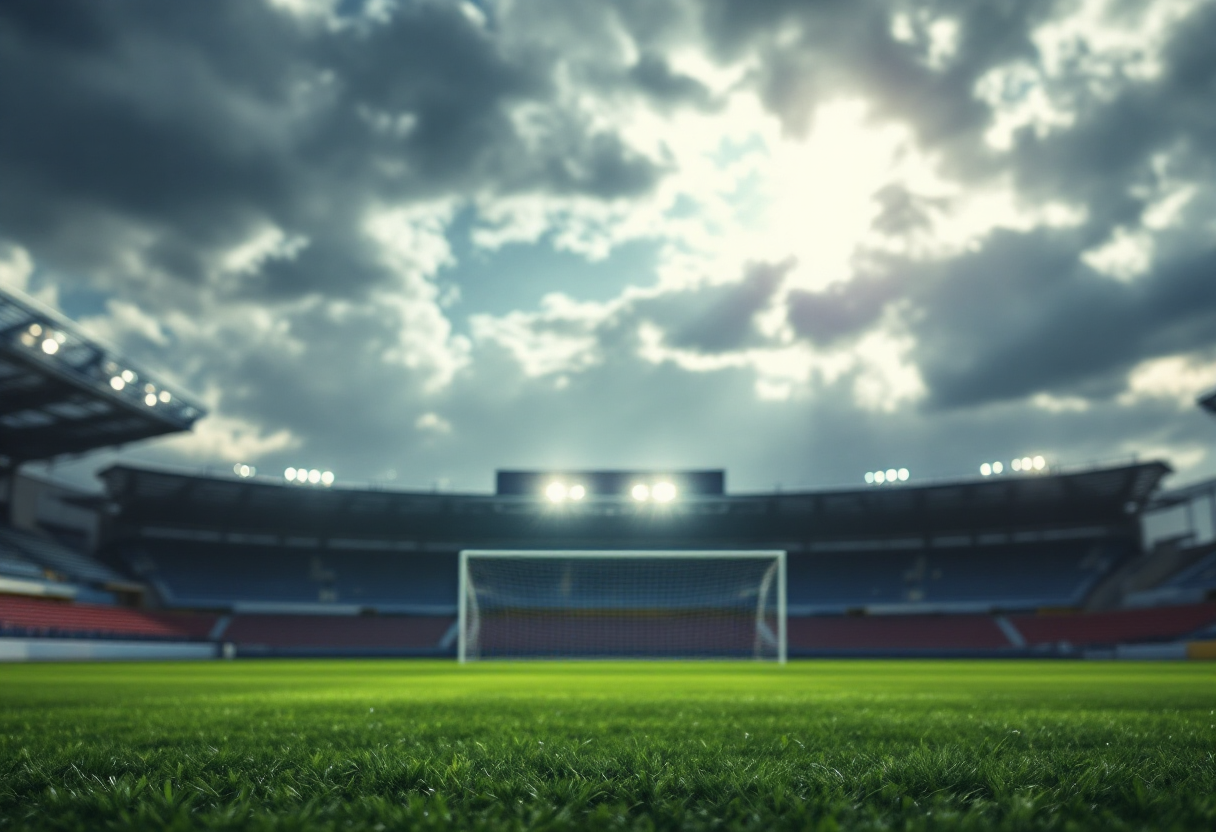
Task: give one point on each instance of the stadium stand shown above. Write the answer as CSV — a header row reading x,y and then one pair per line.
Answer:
x,y
397,635
31,616
847,634
1110,628
57,558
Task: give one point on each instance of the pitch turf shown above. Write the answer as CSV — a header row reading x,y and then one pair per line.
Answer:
x,y
429,745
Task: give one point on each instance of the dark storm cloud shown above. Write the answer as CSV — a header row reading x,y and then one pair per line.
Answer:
x,y
841,310
718,318
1023,316
191,123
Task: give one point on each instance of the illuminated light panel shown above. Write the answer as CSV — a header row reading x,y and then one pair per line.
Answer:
x,y
640,492
663,492
556,492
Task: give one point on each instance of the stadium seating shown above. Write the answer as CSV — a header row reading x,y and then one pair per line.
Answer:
x,y
404,633
978,578
896,632
30,616
1120,627
57,557
196,574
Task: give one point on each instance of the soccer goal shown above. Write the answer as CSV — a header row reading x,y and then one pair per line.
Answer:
x,y
622,605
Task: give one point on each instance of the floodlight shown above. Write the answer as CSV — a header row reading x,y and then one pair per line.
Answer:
x,y
1039,463
289,474
35,330
985,470
1017,465
28,340
301,475
903,475
880,477
997,467
164,396
640,492
664,492
150,399
117,383
50,346
869,476
149,388
314,476
128,376
1026,463
892,475
576,492
555,491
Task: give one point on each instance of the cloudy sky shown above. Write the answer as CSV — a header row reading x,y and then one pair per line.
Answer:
x,y
416,241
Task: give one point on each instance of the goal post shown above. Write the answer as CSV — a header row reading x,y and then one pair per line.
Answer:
x,y
614,604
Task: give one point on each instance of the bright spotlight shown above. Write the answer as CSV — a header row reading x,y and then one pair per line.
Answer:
x,y
664,492
1026,463
327,478
35,330
50,346
577,492
555,491
289,474
1039,463
880,477
1017,465
903,474
314,476
150,399
997,467
117,383
985,470
640,492
164,396
128,376
892,475
301,475
869,476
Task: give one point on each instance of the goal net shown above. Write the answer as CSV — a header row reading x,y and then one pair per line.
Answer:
x,y
630,604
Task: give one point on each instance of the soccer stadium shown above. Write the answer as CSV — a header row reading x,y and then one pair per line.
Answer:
x,y
1014,592
557,416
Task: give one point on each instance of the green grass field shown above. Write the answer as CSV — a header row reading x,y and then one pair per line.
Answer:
x,y
430,745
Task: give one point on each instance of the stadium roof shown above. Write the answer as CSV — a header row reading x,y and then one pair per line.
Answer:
x,y
1107,498
63,392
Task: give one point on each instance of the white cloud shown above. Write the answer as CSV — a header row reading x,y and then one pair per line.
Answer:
x,y
1182,378
433,423
16,266
1125,256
